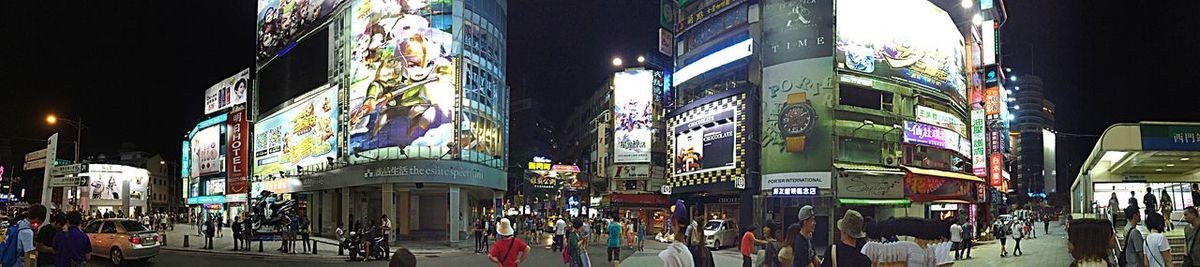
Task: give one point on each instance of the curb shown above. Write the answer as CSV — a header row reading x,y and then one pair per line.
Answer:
x,y
295,257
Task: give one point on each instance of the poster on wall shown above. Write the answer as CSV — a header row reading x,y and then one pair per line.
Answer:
x,y
282,22
239,151
109,182
796,124
207,151
301,134
402,93
632,116
705,142
227,93
795,30
214,187
909,40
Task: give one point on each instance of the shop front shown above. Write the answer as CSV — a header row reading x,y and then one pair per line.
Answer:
x,y
874,191
944,195
651,209
112,188
784,195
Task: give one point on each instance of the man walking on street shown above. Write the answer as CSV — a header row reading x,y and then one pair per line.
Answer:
x,y
747,246
1150,201
1000,230
614,241
560,231
72,247
956,238
1193,245
968,237
802,249
1134,242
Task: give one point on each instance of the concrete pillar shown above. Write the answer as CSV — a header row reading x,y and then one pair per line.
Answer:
x,y
388,197
497,202
414,212
404,200
455,207
345,212
327,218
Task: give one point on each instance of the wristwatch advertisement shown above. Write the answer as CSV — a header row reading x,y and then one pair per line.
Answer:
x,y
796,120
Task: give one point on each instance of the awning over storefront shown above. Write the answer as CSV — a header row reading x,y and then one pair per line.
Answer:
x,y
924,185
617,200
864,168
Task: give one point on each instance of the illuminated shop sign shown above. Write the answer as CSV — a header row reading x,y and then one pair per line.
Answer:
x,y
794,191
712,61
929,135
940,118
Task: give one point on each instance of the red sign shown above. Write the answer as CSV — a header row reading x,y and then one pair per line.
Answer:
x,y
237,161
925,188
996,169
991,98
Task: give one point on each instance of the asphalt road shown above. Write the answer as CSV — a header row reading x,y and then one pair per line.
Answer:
x,y
187,259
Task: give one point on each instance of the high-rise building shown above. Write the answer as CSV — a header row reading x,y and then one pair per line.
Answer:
x,y
1034,122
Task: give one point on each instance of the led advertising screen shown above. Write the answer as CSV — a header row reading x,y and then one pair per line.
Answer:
x,y
301,134
282,22
207,151
632,115
704,140
227,93
403,93
907,40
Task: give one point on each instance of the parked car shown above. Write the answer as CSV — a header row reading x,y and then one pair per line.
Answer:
x,y
718,233
122,240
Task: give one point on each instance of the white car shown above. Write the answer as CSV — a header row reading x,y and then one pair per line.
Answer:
x,y
718,233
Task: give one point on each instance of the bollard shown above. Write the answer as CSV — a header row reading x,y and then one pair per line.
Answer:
x,y
259,245
164,240
185,241
314,247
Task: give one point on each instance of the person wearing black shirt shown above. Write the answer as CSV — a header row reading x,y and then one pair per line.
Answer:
x,y
44,241
802,251
851,226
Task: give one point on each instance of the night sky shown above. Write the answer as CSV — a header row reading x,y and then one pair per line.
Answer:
x,y
135,71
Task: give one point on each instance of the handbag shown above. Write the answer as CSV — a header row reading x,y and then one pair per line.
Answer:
x,y
834,257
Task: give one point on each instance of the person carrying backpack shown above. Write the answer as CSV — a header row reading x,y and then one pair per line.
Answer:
x,y
17,250
72,247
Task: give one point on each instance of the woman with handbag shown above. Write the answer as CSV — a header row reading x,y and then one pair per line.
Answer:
x,y
509,251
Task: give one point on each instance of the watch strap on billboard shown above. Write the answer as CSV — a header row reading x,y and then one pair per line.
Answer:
x,y
795,143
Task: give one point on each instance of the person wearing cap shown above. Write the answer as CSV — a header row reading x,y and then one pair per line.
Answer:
x,y
802,250
846,252
509,251
677,253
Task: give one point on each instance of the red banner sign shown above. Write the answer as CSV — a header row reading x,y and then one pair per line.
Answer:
x,y
996,169
237,160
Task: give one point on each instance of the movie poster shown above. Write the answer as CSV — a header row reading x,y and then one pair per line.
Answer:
x,y
632,115
403,93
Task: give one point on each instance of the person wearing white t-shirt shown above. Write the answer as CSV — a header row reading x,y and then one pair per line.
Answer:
x,y
560,231
1017,226
956,238
1157,249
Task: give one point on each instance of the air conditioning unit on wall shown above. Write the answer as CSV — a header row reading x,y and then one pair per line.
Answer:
x,y
892,154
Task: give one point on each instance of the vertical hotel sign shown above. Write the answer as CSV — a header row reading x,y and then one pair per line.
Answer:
x,y
239,151
185,165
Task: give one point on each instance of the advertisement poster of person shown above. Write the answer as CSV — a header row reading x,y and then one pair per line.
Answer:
x,y
214,187
402,87
706,142
909,40
281,22
115,186
228,92
207,151
632,113
301,134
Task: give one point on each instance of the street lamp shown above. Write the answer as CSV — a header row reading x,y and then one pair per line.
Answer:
x,y
977,19
641,59
616,61
967,3
78,124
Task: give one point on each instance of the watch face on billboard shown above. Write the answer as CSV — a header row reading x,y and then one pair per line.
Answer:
x,y
281,22
301,134
705,142
227,93
403,93
207,151
632,119
909,40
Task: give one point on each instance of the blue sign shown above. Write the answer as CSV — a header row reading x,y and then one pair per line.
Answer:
x,y
794,191
1170,137
205,200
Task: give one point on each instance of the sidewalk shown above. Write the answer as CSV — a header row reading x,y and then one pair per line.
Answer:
x,y
327,248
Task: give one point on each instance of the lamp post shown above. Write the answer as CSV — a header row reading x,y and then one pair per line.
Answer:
x,y
77,123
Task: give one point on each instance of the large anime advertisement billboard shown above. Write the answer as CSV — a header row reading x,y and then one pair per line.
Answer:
x,y
403,92
301,134
909,40
282,22
632,115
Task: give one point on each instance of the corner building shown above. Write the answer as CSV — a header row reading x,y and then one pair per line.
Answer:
x,y
873,114
369,108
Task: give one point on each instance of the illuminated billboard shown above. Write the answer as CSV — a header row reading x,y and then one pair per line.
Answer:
x,y
116,182
928,135
227,93
978,143
797,124
282,22
633,115
214,187
301,134
908,40
992,101
207,151
704,139
941,118
403,93
237,159
795,30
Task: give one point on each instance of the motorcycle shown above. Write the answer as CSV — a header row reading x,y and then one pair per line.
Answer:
x,y
280,214
354,246
367,244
